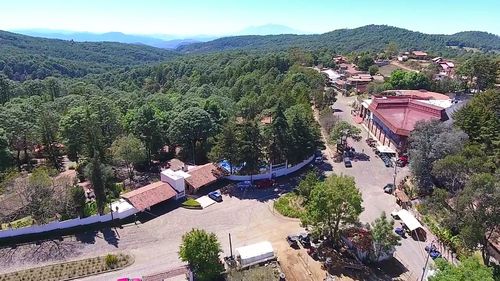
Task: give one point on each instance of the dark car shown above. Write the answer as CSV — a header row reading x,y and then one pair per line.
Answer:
x,y
293,241
215,195
389,188
267,183
347,162
305,240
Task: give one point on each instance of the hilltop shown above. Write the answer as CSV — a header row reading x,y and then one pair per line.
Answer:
x,y
366,38
23,57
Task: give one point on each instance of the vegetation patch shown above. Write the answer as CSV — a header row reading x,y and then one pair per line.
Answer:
x,y
191,203
270,272
23,222
290,205
71,270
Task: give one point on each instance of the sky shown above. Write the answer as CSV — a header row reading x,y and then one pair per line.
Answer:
x,y
219,17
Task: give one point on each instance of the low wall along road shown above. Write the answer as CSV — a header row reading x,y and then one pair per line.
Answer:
x,y
273,174
121,208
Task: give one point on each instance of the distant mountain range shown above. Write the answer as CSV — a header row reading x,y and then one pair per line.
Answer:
x,y
164,41
365,38
119,37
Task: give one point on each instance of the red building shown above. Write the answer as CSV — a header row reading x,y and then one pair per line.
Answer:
x,y
391,119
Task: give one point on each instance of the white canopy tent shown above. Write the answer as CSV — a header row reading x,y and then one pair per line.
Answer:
x,y
255,253
409,220
385,149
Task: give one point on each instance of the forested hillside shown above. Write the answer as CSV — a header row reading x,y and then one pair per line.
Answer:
x,y
24,57
366,38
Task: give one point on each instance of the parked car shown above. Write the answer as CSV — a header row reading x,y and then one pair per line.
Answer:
x,y
347,162
318,160
215,195
402,161
305,240
433,252
389,188
293,241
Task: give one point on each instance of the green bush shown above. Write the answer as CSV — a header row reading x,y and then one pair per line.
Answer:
x,y
111,261
90,209
290,205
190,203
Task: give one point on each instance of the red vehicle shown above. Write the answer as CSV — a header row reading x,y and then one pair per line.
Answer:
x,y
264,183
402,161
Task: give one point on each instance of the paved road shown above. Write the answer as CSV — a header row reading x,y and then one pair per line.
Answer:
x,y
370,177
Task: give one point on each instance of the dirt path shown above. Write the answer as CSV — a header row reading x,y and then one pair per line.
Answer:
x,y
398,64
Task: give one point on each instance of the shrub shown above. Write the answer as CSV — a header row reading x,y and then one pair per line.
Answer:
x,y
90,209
190,203
111,261
289,205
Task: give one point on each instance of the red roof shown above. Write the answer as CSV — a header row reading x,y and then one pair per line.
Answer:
x,y
400,114
149,195
266,120
350,69
360,238
204,175
419,53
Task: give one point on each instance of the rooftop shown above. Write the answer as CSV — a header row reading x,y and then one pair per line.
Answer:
x,y
401,114
350,68
418,94
359,237
149,195
204,175
419,53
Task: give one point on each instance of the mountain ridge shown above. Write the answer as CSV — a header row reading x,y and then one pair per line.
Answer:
x,y
365,38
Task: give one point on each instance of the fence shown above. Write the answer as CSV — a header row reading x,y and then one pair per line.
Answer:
x,y
273,174
122,210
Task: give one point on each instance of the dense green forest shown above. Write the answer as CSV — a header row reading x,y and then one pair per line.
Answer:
x,y
366,38
160,105
24,57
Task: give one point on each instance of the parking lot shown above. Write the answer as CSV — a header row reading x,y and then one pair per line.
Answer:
x,y
248,216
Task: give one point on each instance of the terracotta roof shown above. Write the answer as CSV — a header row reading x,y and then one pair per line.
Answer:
x,y
401,195
266,120
350,68
359,237
149,195
419,53
204,175
400,114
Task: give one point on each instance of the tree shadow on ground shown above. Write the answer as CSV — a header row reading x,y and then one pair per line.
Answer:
x,y
391,267
87,237
110,236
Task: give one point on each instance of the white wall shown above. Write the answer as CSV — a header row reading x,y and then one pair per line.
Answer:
x,y
122,213
275,173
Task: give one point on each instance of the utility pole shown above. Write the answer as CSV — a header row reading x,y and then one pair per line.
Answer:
x,y
230,245
395,172
426,261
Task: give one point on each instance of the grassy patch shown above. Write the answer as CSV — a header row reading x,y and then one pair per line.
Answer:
x,y
70,270
190,203
268,273
24,222
290,205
